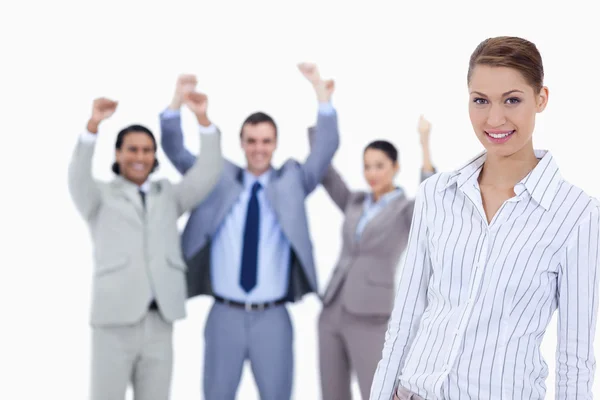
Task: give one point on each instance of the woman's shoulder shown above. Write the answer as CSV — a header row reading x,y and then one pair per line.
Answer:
x,y
436,183
570,196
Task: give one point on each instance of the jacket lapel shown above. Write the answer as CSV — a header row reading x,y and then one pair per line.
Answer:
x,y
384,214
130,194
353,215
233,180
152,197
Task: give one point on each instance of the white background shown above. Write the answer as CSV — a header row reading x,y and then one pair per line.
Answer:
x,y
391,62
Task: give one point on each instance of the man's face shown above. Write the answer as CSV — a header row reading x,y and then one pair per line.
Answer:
x,y
136,157
259,141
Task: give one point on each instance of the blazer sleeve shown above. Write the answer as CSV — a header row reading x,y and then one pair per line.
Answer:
x,y
325,143
332,181
409,305
172,142
408,213
199,180
83,188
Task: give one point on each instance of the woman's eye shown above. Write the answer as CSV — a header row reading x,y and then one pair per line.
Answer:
x,y
513,100
479,100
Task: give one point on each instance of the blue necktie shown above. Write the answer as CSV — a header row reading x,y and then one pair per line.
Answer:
x,y
250,250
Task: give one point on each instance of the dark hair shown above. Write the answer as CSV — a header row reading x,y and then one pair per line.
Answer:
x,y
258,118
121,137
385,146
511,52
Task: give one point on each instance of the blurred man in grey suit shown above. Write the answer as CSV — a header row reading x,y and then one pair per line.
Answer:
x,y
139,285
248,246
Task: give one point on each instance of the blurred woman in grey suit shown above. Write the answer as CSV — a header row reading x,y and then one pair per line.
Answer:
x,y
360,296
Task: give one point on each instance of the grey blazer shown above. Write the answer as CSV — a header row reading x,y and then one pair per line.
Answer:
x,y
137,253
287,191
365,272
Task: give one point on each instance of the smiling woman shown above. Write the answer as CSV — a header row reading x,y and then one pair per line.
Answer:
x,y
506,89
495,248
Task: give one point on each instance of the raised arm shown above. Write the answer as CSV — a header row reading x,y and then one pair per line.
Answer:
x,y
424,128
410,303
577,311
427,170
202,177
82,186
170,126
332,181
326,135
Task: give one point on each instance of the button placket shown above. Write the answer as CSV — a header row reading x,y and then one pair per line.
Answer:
x,y
469,305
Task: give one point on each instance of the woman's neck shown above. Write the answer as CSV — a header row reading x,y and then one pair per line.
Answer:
x,y
506,172
383,192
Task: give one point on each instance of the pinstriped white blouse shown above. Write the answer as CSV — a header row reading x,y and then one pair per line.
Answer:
x,y
474,299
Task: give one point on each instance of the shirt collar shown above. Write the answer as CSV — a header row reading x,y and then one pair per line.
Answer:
x,y
541,183
385,199
264,178
145,187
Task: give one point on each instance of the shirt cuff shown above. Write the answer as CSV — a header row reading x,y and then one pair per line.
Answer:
x,y
326,108
207,130
170,113
88,137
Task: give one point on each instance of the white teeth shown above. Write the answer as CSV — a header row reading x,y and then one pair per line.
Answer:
x,y
139,167
499,135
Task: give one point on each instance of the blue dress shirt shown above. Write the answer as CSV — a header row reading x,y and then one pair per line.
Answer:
x,y
273,247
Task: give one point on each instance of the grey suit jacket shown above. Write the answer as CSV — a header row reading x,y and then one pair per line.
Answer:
x,y
287,191
365,272
137,253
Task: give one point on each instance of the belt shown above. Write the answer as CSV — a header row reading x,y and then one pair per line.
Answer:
x,y
250,306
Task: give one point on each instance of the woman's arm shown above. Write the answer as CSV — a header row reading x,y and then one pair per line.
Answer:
x,y
577,311
410,303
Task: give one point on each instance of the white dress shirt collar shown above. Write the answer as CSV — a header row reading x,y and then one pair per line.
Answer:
x,y
541,183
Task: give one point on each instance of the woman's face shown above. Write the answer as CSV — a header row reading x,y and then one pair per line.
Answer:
x,y
502,109
379,170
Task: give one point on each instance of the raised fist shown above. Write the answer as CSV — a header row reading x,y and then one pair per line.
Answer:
x,y
197,102
186,83
310,72
102,109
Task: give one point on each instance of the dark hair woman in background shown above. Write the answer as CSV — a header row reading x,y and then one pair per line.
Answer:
x,y
359,299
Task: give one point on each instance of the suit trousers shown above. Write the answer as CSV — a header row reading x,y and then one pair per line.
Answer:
x,y
263,337
347,343
140,354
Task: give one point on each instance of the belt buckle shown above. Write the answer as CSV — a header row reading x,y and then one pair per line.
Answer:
x,y
248,306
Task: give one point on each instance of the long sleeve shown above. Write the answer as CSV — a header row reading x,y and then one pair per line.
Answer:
x,y
202,177
332,181
83,188
410,303
172,141
577,311
325,144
